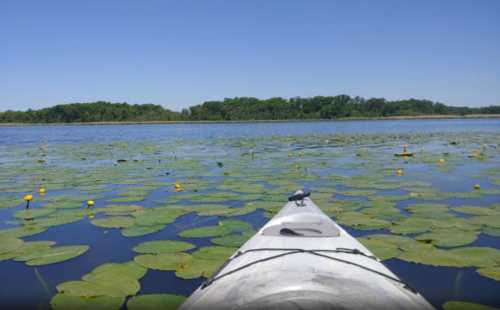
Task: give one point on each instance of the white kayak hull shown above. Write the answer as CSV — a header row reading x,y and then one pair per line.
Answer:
x,y
304,280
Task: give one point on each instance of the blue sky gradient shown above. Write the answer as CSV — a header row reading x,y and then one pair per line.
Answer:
x,y
181,53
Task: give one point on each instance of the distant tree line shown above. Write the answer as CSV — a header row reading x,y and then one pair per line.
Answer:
x,y
91,112
242,108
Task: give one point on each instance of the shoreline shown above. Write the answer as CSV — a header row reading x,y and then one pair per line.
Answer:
x,y
345,119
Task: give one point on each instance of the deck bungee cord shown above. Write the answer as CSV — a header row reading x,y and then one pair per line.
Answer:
x,y
291,251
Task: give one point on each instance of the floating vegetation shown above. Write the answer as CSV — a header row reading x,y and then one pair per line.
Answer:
x,y
155,301
64,301
225,227
490,272
33,213
112,280
449,237
162,246
462,305
427,213
114,222
163,261
204,262
359,220
36,255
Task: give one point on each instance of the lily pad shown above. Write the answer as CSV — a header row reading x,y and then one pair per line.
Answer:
x,y
63,301
491,231
27,248
412,225
490,272
127,199
53,255
165,261
114,280
162,246
361,221
121,209
433,257
128,269
10,244
382,249
214,253
114,222
463,305
449,237
233,240
490,220
195,268
208,231
155,301
475,210
156,216
33,213
136,230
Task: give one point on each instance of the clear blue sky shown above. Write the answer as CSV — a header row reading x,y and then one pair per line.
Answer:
x,y
180,53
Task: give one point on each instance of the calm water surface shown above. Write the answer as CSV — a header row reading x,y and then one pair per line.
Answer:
x,y
20,281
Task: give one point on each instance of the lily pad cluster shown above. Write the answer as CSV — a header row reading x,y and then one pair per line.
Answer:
x,y
37,253
105,287
142,187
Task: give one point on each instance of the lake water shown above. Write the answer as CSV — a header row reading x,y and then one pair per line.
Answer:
x,y
101,162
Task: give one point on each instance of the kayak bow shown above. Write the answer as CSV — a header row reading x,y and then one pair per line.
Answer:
x,y
301,259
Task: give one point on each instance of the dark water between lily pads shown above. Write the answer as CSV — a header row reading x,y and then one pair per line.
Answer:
x,y
350,166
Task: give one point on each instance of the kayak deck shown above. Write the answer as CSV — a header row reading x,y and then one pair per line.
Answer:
x,y
301,259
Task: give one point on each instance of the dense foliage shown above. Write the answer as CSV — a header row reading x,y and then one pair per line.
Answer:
x,y
244,108
323,108
91,112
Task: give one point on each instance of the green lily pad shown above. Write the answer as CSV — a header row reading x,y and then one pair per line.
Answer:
x,y
475,210
208,231
214,253
114,280
361,221
89,289
53,255
236,226
461,257
195,268
128,199
10,244
463,305
478,256
136,230
491,231
114,222
129,269
382,249
449,237
27,248
33,213
63,301
228,211
157,216
432,211
155,301
163,246
412,225
233,240
490,272
490,220
121,209
164,261
433,257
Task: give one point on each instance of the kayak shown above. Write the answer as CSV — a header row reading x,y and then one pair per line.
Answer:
x,y
302,259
